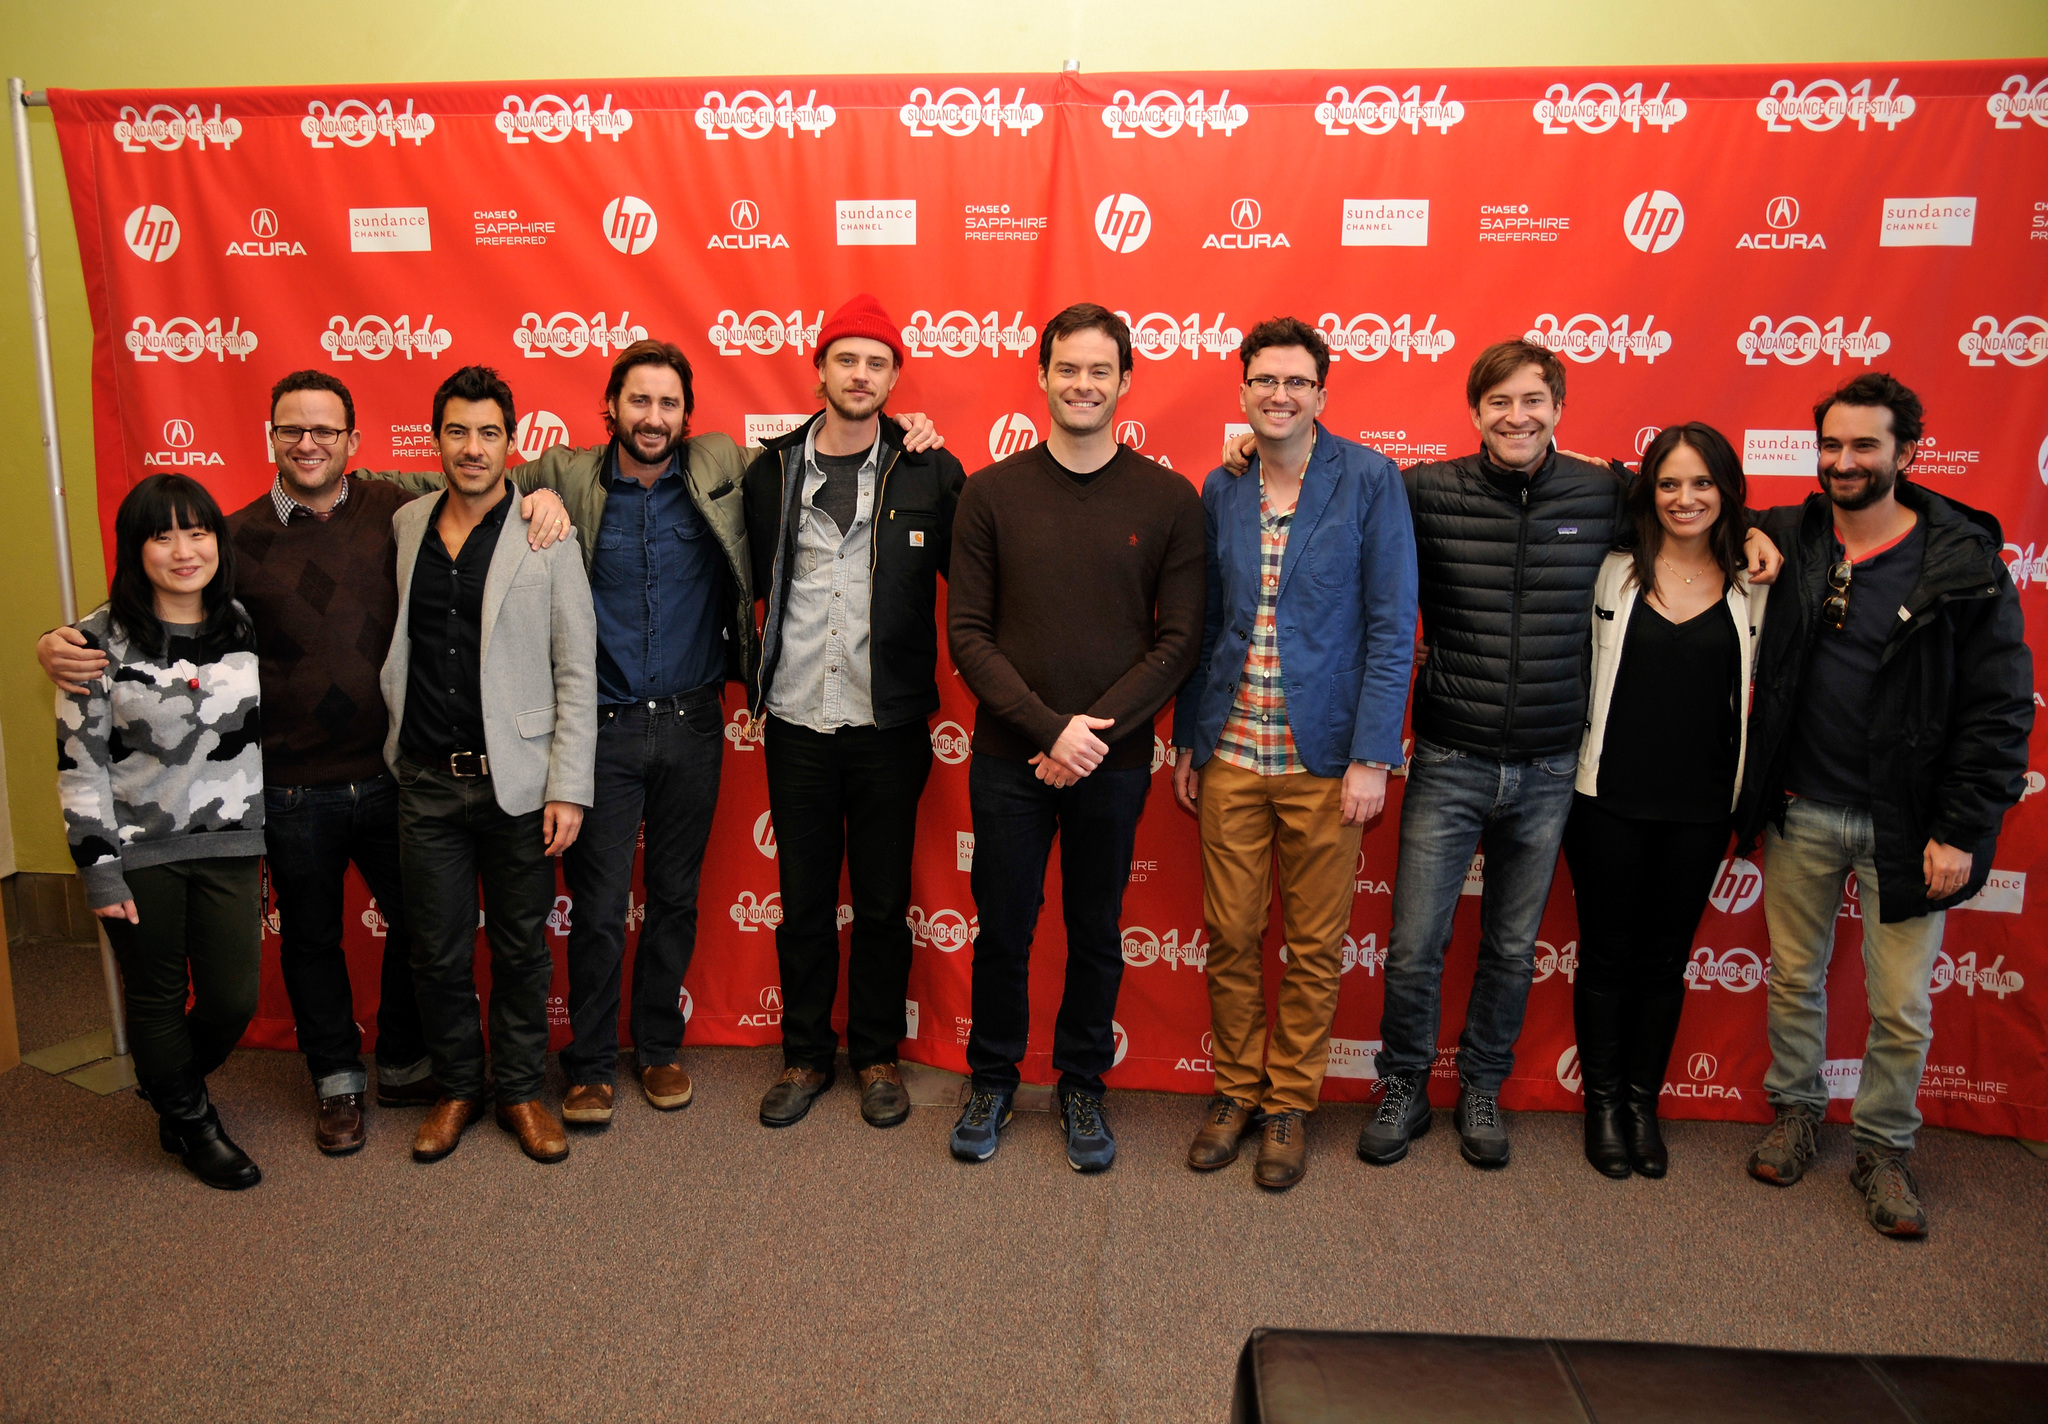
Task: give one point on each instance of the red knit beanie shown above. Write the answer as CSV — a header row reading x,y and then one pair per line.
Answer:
x,y
863,316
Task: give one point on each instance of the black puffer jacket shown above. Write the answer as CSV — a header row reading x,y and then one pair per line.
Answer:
x,y
1951,706
1507,569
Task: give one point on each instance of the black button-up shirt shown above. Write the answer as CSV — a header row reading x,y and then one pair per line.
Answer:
x,y
444,709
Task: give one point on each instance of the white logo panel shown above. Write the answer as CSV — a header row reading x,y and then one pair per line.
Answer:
x,y
1385,222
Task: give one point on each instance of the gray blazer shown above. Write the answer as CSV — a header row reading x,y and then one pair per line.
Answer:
x,y
539,663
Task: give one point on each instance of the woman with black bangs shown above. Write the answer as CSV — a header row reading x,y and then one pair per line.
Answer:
x,y
160,772
1675,624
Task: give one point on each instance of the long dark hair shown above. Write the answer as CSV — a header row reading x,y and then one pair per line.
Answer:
x,y
159,503
1725,538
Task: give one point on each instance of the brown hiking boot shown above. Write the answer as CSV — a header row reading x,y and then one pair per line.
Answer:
x,y
1787,1150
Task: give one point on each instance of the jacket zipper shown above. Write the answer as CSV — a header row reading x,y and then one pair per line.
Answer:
x,y
874,564
1507,731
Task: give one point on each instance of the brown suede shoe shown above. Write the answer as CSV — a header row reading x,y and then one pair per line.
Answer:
x,y
883,1100
1283,1151
588,1104
338,1128
540,1136
667,1086
1229,1122
441,1130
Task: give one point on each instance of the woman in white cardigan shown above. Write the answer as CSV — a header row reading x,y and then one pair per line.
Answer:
x,y
1675,627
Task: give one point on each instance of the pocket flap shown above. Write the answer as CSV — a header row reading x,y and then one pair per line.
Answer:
x,y
537,723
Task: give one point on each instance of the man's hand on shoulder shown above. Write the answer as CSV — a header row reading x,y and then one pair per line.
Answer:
x,y
547,518
67,661
1761,556
919,433
1237,452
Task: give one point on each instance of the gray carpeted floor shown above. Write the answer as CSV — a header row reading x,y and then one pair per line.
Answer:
x,y
696,1266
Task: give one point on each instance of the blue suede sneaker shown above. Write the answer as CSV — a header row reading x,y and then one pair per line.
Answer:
x,y
1090,1147
974,1135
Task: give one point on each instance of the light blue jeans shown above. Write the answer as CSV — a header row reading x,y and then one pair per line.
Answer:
x,y
1804,867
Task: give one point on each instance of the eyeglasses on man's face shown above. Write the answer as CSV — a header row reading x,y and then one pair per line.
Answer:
x,y
325,436
1294,385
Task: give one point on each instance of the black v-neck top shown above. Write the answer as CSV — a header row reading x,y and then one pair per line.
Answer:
x,y
1670,746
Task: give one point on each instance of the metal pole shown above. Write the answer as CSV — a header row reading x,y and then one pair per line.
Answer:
x,y
53,460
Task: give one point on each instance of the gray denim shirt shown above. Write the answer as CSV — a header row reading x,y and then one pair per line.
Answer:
x,y
823,678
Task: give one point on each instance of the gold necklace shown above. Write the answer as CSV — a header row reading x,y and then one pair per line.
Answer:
x,y
1678,573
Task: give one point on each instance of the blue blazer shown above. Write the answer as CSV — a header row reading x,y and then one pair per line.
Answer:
x,y
1345,612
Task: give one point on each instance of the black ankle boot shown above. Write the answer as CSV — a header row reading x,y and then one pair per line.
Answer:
x,y
1650,1026
188,1125
1596,1015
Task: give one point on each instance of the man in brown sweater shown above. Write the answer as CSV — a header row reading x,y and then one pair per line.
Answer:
x,y
1075,613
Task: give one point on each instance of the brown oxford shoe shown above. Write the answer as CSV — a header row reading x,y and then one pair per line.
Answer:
x,y
540,1136
1283,1151
587,1104
667,1086
884,1101
441,1130
338,1127
1229,1122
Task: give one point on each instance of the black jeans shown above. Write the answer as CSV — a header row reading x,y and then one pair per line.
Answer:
x,y
821,785
1015,816
451,830
658,763
1641,887
313,833
197,940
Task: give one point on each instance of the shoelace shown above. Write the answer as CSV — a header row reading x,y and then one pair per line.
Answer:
x,y
1482,1110
1890,1180
1397,1093
980,1108
1084,1114
1225,1109
1280,1127
1792,1132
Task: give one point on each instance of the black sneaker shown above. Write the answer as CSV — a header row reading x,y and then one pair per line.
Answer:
x,y
1891,1198
1482,1136
1403,1116
1090,1146
974,1135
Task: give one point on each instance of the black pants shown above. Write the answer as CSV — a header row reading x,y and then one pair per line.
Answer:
x,y
1641,887
1015,817
451,830
198,939
852,795
313,834
658,764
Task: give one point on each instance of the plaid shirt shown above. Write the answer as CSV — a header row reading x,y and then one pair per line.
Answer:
x,y
1256,735
289,509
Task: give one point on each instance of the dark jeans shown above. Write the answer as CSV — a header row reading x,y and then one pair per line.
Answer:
x,y
313,833
1015,817
850,794
658,763
198,940
1641,887
1513,812
450,831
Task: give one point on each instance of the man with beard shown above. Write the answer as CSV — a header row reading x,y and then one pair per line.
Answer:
x,y
851,526
1888,736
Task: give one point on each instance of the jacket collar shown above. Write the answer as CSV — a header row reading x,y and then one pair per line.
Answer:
x,y
892,435
1513,482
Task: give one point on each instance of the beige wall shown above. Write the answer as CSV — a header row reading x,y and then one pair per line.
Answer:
x,y
103,44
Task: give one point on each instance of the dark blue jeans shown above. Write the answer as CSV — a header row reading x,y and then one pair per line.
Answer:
x,y
313,834
1015,818
1514,813
658,764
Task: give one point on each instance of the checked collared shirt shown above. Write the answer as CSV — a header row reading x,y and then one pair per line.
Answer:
x,y
1256,735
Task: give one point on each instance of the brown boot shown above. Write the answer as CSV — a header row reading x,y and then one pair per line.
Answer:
x,y
441,1130
1283,1151
587,1104
666,1085
1229,1122
540,1136
338,1127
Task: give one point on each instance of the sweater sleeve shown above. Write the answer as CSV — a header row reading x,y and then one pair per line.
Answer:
x,y
971,625
85,789
1182,598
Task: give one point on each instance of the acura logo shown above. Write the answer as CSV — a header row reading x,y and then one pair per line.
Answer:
x,y
177,433
263,222
1645,436
745,215
771,999
1131,433
1781,212
1702,1066
1244,214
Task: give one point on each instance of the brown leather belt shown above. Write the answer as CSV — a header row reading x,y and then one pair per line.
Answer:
x,y
468,764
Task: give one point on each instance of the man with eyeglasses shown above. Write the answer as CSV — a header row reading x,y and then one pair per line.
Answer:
x,y
1286,733
316,568
1888,737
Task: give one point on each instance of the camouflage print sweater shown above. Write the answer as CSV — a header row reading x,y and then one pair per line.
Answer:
x,y
161,761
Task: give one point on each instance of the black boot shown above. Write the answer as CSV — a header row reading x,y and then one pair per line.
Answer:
x,y
1649,1029
188,1125
1596,1015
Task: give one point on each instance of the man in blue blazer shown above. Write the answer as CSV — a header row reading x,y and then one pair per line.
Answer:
x,y
1287,730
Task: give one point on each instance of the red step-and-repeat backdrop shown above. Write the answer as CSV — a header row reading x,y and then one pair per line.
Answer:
x,y
1719,244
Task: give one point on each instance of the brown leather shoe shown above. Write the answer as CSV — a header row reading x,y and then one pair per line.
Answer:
x,y
791,1095
540,1136
1283,1150
338,1128
422,1094
883,1100
441,1130
588,1104
667,1086
1229,1122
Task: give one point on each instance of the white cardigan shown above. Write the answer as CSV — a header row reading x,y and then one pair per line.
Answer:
x,y
1614,602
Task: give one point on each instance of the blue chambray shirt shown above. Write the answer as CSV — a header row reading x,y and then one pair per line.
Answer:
x,y
657,582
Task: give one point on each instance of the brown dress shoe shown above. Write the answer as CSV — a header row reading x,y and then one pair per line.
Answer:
x,y
667,1086
441,1130
540,1136
422,1094
1283,1151
1229,1122
588,1103
883,1100
791,1095
338,1129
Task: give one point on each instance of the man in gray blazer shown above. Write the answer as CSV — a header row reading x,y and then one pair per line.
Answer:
x,y
492,685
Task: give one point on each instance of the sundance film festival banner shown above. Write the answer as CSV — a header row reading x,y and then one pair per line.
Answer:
x,y
1698,244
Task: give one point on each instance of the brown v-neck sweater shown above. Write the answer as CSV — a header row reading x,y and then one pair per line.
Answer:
x,y
1068,598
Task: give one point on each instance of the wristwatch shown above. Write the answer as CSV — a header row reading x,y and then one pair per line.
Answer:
x,y
1378,765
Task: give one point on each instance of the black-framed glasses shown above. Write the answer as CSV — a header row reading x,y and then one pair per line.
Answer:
x,y
1835,607
325,436
1296,385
